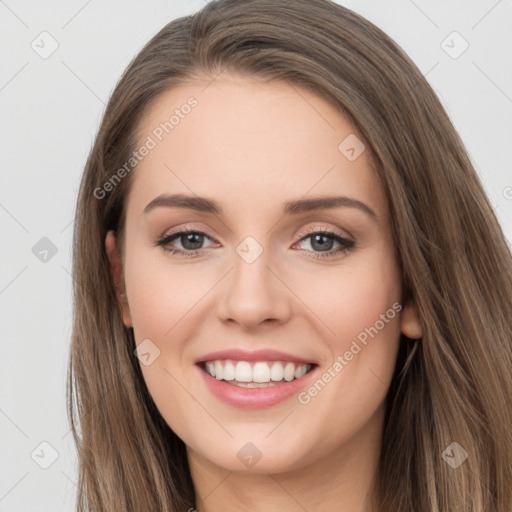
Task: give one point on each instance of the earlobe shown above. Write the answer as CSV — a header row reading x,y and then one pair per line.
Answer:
x,y
410,324
116,270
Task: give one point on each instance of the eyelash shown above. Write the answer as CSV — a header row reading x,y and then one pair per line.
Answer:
x,y
346,244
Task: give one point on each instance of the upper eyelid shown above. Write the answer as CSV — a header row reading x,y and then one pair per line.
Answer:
x,y
327,231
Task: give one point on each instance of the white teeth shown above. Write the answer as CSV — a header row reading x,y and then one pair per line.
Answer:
x,y
219,370
259,374
243,371
300,371
210,368
289,371
229,371
277,372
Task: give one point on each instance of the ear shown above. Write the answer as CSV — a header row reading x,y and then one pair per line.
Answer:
x,y
409,323
116,269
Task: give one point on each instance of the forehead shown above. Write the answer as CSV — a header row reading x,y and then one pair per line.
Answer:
x,y
249,144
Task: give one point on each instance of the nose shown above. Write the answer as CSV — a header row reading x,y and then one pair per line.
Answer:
x,y
253,294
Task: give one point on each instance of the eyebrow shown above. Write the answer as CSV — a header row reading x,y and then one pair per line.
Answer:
x,y
202,204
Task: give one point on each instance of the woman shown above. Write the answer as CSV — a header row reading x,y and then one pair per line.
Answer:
x,y
286,280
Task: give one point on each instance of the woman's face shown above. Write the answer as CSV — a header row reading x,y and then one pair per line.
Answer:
x,y
257,278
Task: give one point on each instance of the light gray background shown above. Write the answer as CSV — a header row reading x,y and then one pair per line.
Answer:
x,y
50,111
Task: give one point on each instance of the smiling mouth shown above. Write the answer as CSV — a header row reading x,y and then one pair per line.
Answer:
x,y
259,374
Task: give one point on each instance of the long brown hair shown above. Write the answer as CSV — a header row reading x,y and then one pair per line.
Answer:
x,y
452,386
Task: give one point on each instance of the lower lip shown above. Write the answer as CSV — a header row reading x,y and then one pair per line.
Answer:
x,y
254,398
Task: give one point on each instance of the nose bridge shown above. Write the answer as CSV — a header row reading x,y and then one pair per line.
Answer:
x,y
253,294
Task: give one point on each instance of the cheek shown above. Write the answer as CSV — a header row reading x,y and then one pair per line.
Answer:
x,y
162,299
362,310
161,294
351,298
359,308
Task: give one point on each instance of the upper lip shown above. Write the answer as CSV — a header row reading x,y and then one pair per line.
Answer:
x,y
238,354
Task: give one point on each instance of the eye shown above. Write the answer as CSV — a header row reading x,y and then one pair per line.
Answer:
x,y
191,241
321,242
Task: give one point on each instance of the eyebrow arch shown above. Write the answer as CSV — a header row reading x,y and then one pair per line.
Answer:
x,y
325,203
202,204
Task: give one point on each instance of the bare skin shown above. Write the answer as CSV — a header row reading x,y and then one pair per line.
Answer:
x,y
252,146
